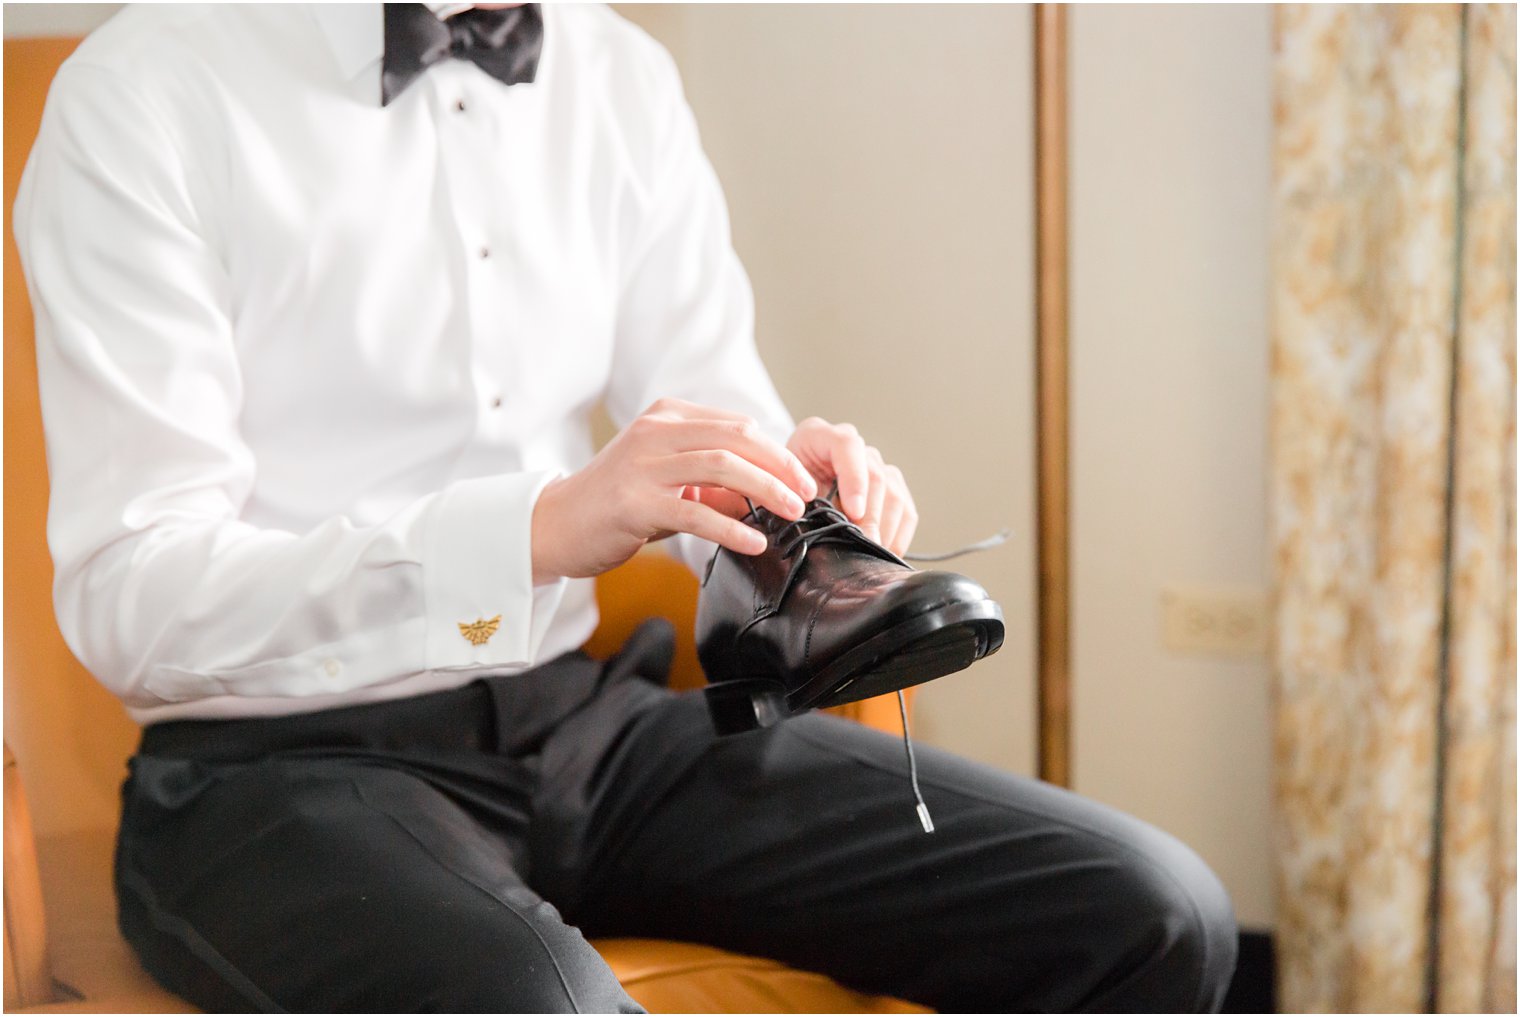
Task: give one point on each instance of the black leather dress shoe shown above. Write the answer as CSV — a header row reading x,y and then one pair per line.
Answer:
x,y
827,616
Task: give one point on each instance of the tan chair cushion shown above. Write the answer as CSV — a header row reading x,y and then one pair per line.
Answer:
x,y
670,977
90,959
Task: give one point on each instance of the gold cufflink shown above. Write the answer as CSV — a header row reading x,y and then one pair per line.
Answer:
x,y
480,630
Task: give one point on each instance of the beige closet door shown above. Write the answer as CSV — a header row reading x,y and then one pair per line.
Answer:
x,y
878,163
1171,135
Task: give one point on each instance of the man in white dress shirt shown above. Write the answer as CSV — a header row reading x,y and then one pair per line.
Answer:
x,y
325,296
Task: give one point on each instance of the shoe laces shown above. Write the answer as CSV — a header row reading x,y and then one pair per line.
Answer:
x,y
822,523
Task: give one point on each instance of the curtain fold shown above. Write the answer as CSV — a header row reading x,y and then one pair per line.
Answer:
x,y
1476,925
1392,503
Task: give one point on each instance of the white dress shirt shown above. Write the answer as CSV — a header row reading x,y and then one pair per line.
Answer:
x,y
306,362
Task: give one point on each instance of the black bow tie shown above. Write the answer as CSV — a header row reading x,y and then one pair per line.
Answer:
x,y
504,43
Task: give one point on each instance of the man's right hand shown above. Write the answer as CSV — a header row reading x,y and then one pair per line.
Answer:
x,y
677,468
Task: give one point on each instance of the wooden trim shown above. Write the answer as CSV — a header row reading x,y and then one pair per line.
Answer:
x,y
27,979
1052,510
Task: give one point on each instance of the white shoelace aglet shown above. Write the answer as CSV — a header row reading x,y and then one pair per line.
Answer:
x,y
918,796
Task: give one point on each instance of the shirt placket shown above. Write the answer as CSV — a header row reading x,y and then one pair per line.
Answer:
x,y
470,166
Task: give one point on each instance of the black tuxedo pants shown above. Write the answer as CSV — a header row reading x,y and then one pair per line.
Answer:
x,y
451,852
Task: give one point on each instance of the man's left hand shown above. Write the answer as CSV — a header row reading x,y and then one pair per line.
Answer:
x,y
872,492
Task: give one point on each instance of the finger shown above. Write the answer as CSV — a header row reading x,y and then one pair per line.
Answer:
x,y
682,516
876,496
909,524
721,468
671,406
727,502
904,538
893,507
743,437
812,442
847,456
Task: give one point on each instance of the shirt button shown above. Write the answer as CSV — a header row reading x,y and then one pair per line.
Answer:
x,y
459,106
332,667
496,402
485,252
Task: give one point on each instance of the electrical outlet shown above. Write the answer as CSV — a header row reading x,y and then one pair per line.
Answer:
x,y
1214,621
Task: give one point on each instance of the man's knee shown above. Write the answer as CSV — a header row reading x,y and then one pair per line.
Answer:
x,y
1172,929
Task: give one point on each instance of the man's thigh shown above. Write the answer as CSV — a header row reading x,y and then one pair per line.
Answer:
x,y
336,885
801,843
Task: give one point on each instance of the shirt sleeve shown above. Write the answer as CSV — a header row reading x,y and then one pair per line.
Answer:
x,y
160,588
686,313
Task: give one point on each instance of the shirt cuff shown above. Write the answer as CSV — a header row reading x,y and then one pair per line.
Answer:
x,y
482,608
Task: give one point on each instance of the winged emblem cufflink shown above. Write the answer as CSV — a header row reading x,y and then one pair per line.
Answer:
x,y
479,631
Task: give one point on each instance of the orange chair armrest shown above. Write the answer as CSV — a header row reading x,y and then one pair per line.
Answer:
x,y
28,981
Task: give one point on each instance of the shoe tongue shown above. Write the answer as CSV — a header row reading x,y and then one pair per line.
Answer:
x,y
814,515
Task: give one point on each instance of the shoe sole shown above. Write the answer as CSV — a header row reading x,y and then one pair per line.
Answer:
x,y
921,649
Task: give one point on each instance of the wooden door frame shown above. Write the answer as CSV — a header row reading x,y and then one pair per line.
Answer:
x,y
1052,420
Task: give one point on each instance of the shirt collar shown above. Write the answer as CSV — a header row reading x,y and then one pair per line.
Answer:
x,y
356,32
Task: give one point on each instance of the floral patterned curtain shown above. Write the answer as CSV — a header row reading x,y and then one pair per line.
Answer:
x,y
1393,506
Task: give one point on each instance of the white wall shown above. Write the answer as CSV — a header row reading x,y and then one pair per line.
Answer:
x,y
1171,163
55,19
